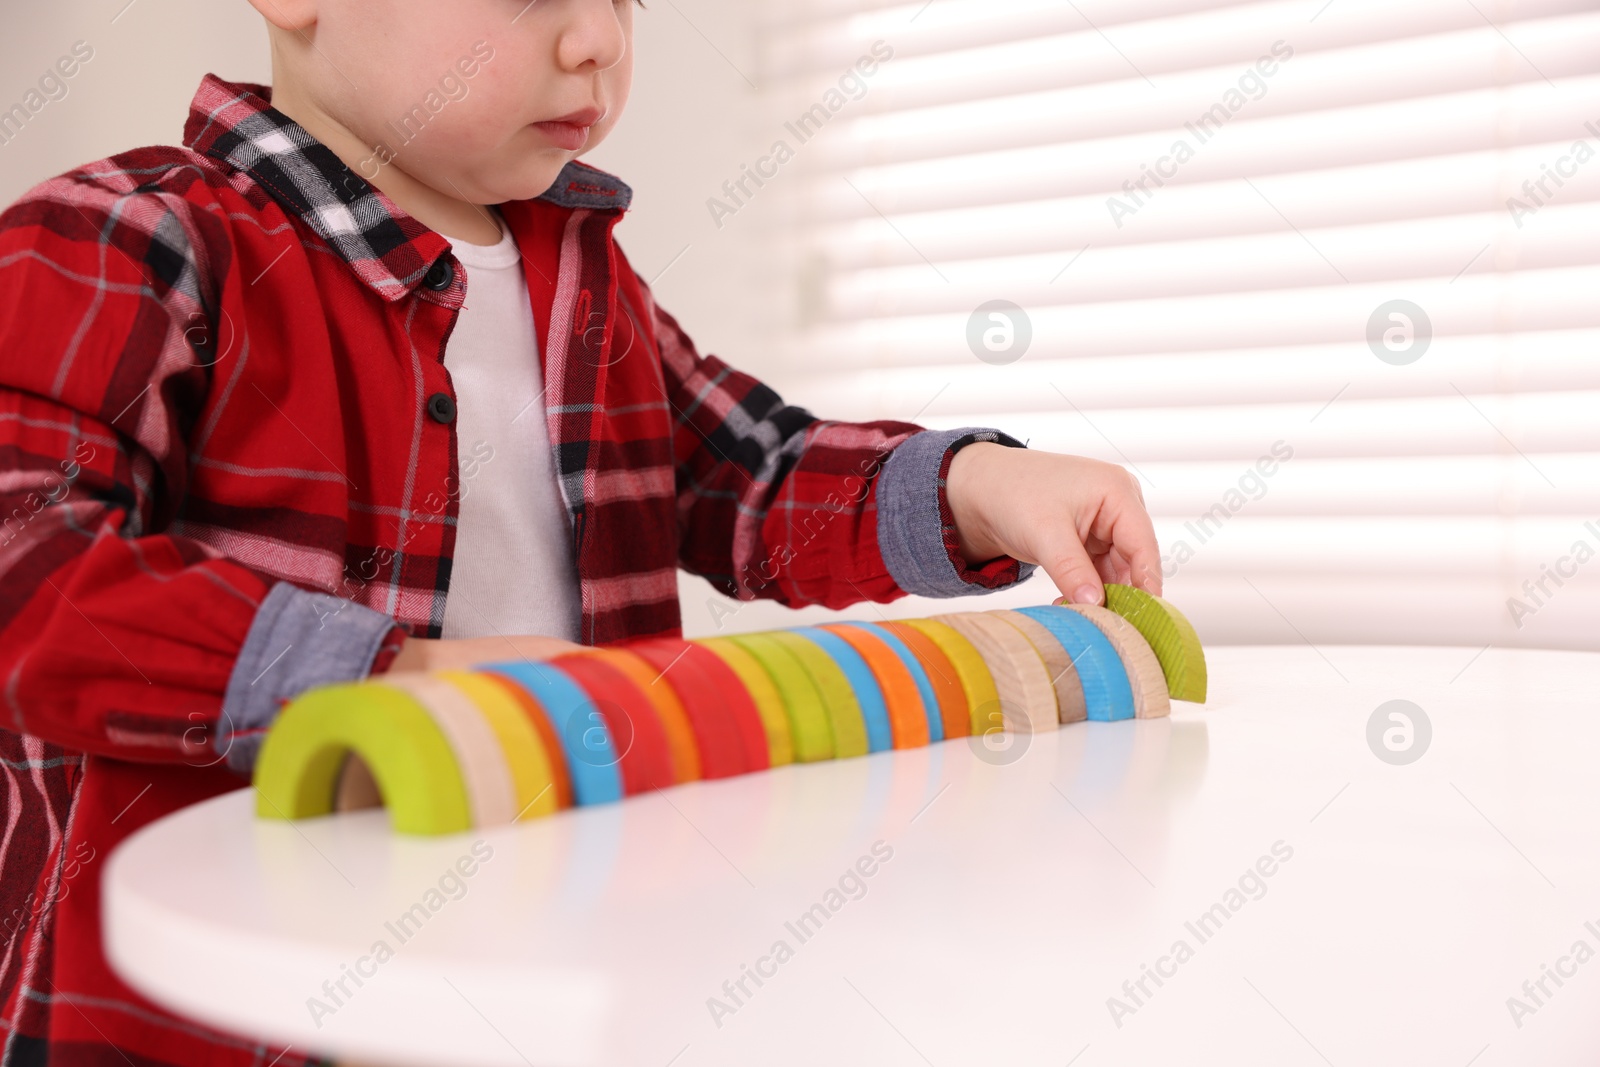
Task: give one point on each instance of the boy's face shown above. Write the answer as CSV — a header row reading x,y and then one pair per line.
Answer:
x,y
467,96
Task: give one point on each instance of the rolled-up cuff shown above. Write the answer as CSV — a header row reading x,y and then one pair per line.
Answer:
x,y
298,640
917,533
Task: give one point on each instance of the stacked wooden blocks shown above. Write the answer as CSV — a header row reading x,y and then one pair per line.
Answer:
x,y
452,750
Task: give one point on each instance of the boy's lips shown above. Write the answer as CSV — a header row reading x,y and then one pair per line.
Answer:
x,y
570,131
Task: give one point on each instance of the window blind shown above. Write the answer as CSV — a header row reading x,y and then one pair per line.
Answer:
x,y
1325,274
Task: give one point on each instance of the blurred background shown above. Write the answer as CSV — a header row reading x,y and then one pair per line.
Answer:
x,y
1325,274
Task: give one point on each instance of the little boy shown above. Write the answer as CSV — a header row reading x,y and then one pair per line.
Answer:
x,y
357,380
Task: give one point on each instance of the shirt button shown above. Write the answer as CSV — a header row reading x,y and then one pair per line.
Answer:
x,y
441,407
439,276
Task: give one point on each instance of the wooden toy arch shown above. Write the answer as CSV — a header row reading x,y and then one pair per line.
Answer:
x,y
416,771
453,750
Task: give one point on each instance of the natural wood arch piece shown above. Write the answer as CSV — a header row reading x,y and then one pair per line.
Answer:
x,y
1150,700
1027,698
1070,705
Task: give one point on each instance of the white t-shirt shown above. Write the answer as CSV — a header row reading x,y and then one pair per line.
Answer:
x,y
513,570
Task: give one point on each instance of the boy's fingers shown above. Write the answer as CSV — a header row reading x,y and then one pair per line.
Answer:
x,y
1070,568
1144,557
1134,539
1114,566
1138,489
1111,567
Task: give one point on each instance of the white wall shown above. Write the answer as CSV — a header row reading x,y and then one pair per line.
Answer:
x,y
148,59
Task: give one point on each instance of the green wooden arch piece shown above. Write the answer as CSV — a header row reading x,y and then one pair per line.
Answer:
x,y
416,770
1171,637
838,696
808,716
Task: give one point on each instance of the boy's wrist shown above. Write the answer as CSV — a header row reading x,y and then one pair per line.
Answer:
x,y
412,656
298,639
917,525
397,643
970,482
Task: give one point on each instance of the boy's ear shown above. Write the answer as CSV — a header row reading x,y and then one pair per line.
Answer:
x,y
293,15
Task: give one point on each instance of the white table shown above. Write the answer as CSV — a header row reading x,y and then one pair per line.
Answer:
x,y
1019,896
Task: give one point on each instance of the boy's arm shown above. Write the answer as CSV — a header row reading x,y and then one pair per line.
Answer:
x,y
115,637
776,503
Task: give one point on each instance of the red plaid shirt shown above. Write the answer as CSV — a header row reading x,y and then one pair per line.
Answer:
x,y
228,472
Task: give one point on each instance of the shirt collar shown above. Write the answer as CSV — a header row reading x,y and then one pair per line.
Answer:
x,y
389,250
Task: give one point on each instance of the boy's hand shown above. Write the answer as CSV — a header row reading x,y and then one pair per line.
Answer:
x,y
428,654
1082,520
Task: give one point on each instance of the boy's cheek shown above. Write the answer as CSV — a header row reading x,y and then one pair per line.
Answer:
x,y
454,88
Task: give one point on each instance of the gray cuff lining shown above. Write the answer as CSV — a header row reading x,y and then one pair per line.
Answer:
x,y
910,529
299,639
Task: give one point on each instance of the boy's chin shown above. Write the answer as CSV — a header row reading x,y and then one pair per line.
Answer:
x,y
523,176
538,175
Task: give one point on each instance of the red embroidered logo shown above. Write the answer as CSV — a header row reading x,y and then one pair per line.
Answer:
x,y
590,187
